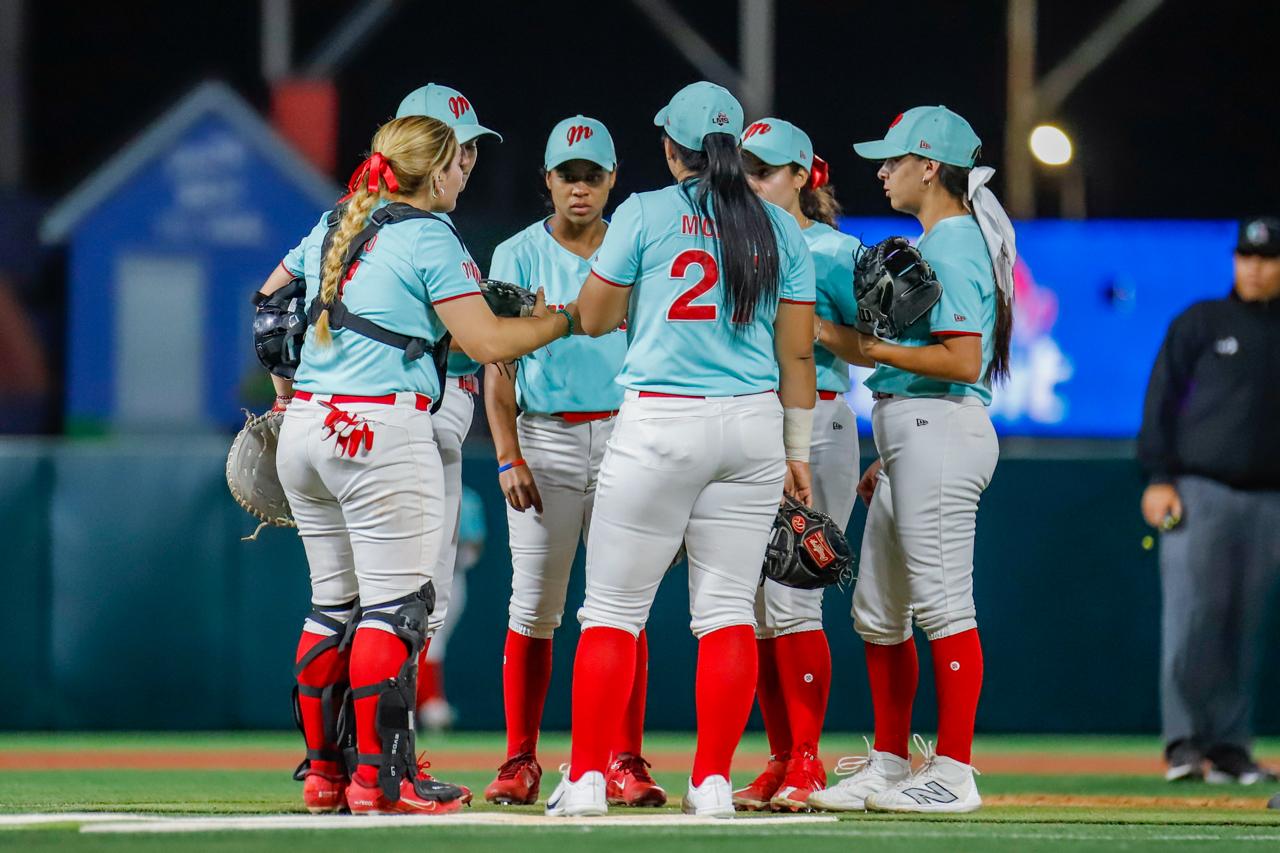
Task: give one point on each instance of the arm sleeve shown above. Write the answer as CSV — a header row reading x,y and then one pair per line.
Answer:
x,y
799,283
1167,388
959,310
618,261
445,269
506,266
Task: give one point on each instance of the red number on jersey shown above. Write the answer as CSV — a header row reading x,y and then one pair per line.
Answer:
x,y
683,308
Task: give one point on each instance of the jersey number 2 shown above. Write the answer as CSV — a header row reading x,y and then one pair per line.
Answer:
x,y
683,308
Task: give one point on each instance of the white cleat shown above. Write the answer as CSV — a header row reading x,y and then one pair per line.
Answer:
x,y
584,798
941,786
713,798
865,775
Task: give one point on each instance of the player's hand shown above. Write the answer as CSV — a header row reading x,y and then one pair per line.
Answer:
x,y
540,309
1161,506
867,485
519,488
572,308
798,484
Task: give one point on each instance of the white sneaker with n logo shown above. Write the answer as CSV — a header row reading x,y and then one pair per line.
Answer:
x,y
584,798
941,786
864,775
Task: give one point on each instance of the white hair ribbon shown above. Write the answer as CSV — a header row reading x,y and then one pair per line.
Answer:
x,y
997,230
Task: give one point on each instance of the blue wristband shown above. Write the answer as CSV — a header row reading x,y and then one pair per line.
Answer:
x,y
510,465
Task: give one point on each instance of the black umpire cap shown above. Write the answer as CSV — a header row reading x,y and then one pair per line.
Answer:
x,y
1259,235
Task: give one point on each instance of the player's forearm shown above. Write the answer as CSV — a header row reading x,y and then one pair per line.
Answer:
x,y
936,361
284,387
500,409
843,341
279,278
797,382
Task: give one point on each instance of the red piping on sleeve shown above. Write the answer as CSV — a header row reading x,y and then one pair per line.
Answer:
x,y
459,296
798,301
951,333
596,273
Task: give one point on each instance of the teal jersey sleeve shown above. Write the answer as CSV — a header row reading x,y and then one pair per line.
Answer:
x,y
295,260
955,249
445,268
618,261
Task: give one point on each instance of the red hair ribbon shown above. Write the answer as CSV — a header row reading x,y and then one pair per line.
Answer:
x,y
371,171
819,174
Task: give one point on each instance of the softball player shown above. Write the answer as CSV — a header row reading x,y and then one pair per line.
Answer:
x,y
937,454
452,421
795,660
549,457
717,290
358,460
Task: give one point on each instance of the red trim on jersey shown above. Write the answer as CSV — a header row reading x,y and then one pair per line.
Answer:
x,y
797,301
459,296
611,281
289,271
953,333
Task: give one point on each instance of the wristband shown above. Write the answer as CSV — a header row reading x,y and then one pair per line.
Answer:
x,y
568,317
510,465
797,433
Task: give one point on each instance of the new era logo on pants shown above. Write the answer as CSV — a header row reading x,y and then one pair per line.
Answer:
x,y
921,422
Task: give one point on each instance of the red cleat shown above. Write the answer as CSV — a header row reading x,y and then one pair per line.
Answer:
x,y
628,783
422,795
324,793
805,774
756,796
517,782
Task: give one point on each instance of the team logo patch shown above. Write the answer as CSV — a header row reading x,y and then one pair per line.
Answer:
x,y
1226,346
758,127
1256,233
721,119
577,133
459,105
819,549
797,523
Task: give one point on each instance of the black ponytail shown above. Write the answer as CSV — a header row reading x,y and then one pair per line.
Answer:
x,y
749,264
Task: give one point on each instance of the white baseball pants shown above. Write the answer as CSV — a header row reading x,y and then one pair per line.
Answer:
x,y
452,422
371,523
564,459
705,471
833,464
938,456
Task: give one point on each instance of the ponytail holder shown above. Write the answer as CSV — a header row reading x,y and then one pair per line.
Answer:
x,y
373,170
819,174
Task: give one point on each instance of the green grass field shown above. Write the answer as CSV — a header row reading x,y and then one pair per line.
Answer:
x,y
1043,793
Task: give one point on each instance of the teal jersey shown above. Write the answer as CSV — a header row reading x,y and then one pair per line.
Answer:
x,y
574,374
407,268
460,364
680,337
958,254
833,254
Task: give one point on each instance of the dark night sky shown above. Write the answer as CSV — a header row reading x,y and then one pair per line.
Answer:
x,y
1181,122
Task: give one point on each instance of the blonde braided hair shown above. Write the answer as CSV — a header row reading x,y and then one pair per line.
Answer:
x,y
418,150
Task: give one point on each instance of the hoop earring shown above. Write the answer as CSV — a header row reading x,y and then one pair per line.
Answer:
x,y
435,192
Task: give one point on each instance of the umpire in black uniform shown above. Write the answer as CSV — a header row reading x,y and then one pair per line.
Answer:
x,y
1209,443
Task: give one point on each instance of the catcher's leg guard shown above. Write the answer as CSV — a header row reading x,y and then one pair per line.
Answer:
x,y
393,713
322,688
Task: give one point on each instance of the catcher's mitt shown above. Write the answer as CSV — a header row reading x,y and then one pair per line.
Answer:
x,y
251,472
807,550
894,287
506,299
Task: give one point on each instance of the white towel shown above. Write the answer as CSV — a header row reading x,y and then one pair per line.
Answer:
x,y
996,228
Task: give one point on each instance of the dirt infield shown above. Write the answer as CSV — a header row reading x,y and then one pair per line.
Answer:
x,y
1034,764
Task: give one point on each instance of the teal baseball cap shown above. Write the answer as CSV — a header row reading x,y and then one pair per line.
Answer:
x,y
778,143
936,133
698,109
580,138
449,106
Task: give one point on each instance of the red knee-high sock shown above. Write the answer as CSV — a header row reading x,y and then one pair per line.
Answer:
x,y
773,708
957,672
328,667
376,655
726,682
603,669
430,679
893,672
526,674
804,673
631,733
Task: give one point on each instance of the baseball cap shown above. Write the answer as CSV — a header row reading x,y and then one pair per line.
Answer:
x,y
933,132
580,138
698,109
778,143
449,106
1259,235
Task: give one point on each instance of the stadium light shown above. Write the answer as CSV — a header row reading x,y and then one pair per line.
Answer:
x,y
1051,145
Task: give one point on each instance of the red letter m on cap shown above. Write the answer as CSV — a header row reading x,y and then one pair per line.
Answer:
x,y
577,133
